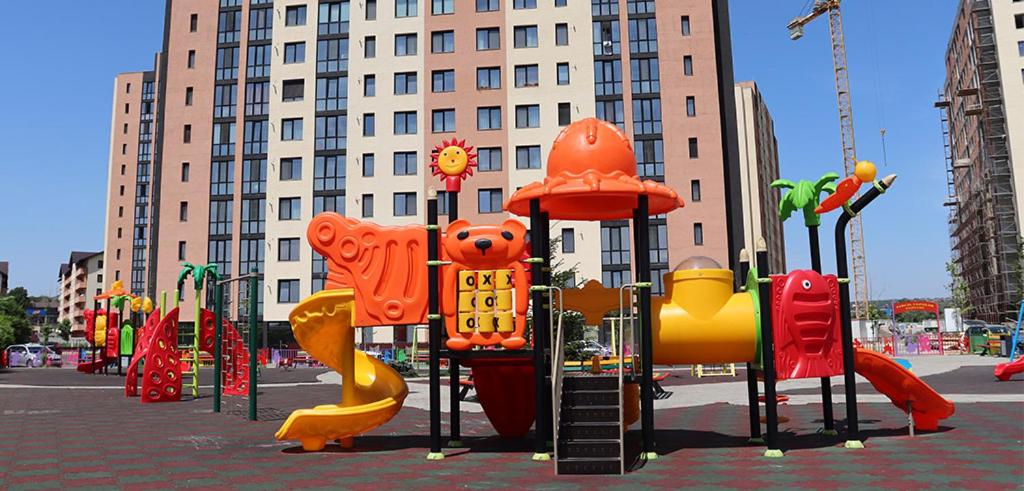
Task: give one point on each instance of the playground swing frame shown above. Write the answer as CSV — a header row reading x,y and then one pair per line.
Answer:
x,y
252,279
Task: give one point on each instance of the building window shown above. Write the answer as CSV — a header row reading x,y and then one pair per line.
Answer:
x,y
335,203
367,206
607,38
289,209
693,147
252,256
185,168
331,54
260,24
257,63
405,204
608,77
698,234
371,9
405,44
225,101
291,169
370,47
255,137
685,23
640,6
287,291
254,176
695,190
528,157
405,123
525,36
442,203
368,164
369,85
643,36
528,116
646,116
488,159
688,65
658,238
440,7
488,118
406,8
442,42
222,178
191,58
329,173
650,159
333,18
405,83
369,124
183,211
442,81
257,98
524,4
612,112
568,241
291,129
292,90
604,7
405,163
331,93
188,102
644,75
227,63
562,70
488,38
561,3
564,113
488,78
288,249
221,213
181,250
294,52
295,15
193,23
489,200
229,27
615,255
443,121
691,106
526,76
561,34
331,132
223,139
486,5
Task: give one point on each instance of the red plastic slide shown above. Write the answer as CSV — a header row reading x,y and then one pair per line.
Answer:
x,y
1004,371
903,388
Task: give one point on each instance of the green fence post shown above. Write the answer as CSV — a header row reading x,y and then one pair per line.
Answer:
x,y
218,329
253,304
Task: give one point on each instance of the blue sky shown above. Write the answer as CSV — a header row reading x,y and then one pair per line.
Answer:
x,y
55,98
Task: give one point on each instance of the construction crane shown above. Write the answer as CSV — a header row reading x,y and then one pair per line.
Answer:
x,y
859,281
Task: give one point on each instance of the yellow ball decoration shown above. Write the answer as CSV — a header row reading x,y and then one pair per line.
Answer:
x,y
865,171
147,305
136,304
100,335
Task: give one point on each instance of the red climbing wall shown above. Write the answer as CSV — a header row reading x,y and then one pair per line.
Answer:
x,y
161,379
142,343
235,372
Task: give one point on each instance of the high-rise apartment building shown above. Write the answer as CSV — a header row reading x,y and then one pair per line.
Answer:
x,y
80,279
759,166
268,112
982,109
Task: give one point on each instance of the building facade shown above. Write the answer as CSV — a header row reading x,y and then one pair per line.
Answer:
x,y
759,166
4,275
982,108
81,279
269,112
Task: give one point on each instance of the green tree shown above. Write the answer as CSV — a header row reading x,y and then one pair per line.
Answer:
x,y
46,331
20,297
959,290
14,325
65,329
804,195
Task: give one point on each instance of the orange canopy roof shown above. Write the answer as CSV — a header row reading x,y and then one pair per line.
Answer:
x,y
591,175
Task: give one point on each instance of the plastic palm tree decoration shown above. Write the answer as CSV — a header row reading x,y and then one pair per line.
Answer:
x,y
804,195
198,272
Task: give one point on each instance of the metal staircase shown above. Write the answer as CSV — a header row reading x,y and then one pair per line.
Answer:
x,y
588,414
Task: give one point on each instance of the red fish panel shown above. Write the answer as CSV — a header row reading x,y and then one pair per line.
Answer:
x,y
806,325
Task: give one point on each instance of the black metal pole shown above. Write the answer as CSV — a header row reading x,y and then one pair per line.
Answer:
x,y
120,320
254,299
545,328
106,339
754,409
95,317
843,272
643,282
218,337
454,375
826,382
434,331
771,409
540,448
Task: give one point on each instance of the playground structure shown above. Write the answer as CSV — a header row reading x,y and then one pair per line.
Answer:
x,y
168,357
1004,371
783,326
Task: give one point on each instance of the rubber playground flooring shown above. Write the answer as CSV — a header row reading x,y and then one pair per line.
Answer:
x,y
59,438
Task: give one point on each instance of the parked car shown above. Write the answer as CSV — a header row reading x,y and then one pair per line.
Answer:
x,y
31,355
585,350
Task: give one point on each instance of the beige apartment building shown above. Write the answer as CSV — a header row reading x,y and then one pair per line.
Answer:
x,y
260,114
759,166
81,279
982,109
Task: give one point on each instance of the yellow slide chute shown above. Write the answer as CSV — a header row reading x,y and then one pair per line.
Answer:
x,y
371,391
